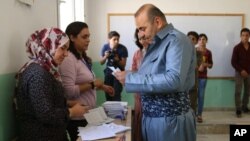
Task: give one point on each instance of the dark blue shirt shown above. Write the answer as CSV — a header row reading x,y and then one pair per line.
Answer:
x,y
121,51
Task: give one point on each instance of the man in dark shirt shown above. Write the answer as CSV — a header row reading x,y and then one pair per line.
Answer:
x,y
241,63
114,55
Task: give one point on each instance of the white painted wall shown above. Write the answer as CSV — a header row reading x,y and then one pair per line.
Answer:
x,y
97,10
17,22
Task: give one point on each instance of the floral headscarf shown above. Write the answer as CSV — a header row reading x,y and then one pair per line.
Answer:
x,y
41,47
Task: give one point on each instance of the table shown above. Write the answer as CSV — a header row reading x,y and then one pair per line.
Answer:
x,y
126,122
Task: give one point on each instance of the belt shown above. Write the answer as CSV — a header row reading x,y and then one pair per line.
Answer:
x,y
165,105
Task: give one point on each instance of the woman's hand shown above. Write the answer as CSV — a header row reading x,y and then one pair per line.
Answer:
x,y
78,110
71,103
108,89
98,83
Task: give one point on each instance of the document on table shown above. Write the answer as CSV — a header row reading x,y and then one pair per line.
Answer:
x,y
90,133
103,131
97,116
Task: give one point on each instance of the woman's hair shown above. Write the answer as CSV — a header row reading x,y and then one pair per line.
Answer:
x,y
137,40
73,29
112,34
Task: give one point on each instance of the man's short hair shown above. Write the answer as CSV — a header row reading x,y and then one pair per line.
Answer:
x,y
152,12
193,33
245,30
203,35
113,33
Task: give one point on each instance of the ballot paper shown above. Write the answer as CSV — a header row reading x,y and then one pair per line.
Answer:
x,y
114,70
90,133
97,116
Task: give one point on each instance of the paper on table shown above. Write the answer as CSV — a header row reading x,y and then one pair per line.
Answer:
x,y
100,132
90,133
97,116
117,128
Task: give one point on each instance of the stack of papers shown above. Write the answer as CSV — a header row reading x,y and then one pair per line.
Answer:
x,y
103,131
116,109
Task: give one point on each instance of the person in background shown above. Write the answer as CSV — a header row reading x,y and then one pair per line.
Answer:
x,y
41,105
163,80
205,61
241,63
142,43
115,55
78,79
193,36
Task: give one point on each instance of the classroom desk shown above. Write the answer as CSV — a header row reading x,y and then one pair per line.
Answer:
x,y
126,122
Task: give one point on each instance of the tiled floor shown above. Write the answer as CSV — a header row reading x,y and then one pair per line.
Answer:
x,y
215,126
213,137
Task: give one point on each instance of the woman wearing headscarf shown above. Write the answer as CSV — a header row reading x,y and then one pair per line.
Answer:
x,y
41,106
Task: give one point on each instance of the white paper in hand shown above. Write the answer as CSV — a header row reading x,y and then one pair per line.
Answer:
x,y
114,70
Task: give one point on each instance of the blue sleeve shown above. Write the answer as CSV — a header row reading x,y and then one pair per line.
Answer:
x,y
171,76
104,48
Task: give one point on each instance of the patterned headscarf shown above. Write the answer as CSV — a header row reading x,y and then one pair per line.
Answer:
x,y
41,47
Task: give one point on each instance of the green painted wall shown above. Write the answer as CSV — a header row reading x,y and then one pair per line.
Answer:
x,y
7,121
98,69
219,94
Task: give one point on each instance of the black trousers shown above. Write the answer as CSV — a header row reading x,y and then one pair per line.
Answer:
x,y
72,128
113,82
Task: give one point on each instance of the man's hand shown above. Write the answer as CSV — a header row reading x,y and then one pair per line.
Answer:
x,y
244,74
120,75
106,54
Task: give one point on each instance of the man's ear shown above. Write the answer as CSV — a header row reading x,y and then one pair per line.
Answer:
x,y
158,22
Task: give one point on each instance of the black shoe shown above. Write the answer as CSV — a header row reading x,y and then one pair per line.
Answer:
x,y
238,113
245,110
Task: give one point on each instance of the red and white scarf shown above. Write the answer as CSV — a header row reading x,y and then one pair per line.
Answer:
x,y
41,47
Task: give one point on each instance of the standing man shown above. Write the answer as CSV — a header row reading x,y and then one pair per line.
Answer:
x,y
115,54
241,63
193,36
164,78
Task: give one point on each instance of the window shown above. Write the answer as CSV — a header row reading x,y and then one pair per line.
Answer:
x,y
69,11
